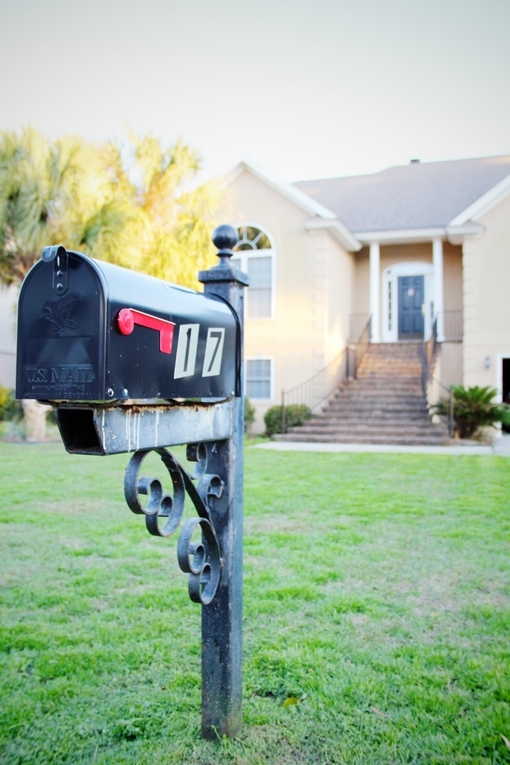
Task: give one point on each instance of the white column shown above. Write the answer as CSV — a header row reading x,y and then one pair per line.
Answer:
x,y
437,261
375,292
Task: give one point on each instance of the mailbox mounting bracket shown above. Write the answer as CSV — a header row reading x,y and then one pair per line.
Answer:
x,y
199,557
104,430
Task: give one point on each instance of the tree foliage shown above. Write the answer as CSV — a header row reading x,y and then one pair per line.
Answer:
x,y
55,193
175,217
134,205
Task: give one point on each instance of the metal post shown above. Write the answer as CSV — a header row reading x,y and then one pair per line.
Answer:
x,y
283,411
222,618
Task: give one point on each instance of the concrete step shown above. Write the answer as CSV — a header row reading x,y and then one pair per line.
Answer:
x,y
351,418
386,349
380,404
384,405
374,438
367,430
388,376
389,379
365,416
381,385
378,395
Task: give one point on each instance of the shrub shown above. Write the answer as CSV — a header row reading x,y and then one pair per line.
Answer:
x,y
473,408
249,414
10,409
295,415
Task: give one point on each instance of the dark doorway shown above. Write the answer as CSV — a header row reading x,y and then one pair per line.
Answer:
x,y
505,385
410,302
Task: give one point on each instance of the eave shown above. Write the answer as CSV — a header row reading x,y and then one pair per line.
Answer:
x,y
451,233
484,203
285,189
337,230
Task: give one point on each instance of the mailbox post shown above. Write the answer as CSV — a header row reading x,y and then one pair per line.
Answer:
x,y
133,364
222,620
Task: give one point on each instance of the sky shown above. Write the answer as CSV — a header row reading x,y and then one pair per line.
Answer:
x,y
307,89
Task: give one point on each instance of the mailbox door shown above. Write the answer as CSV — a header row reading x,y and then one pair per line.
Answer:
x,y
200,361
61,334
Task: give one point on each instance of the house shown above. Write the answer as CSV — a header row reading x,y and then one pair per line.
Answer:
x,y
411,247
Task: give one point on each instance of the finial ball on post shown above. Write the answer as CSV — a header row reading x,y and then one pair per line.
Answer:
x,y
225,239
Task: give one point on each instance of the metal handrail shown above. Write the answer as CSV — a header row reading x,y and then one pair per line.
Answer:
x,y
428,352
362,344
318,388
357,322
430,346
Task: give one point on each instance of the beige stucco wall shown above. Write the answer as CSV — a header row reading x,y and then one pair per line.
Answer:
x,y
452,275
486,297
8,298
451,364
402,253
313,287
361,282
338,280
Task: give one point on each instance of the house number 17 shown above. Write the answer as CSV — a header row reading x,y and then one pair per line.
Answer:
x,y
187,348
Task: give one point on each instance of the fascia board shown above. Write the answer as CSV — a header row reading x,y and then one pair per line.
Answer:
x,y
338,231
484,203
286,189
420,235
458,234
401,236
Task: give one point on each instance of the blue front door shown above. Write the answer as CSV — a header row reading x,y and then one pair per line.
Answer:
x,y
410,302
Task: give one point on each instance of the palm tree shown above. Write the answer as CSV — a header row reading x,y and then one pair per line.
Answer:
x,y
54,193
58,193
136,206
176,216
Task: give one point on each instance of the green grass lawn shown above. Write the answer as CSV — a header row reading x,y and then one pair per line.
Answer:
x,y
376,615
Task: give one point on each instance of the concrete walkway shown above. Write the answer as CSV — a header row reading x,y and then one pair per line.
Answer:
x,y
501,447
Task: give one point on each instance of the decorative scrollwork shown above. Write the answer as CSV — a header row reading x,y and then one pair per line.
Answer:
x,y
200,559
159,505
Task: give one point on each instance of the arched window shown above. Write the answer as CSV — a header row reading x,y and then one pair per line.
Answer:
x,y
254,255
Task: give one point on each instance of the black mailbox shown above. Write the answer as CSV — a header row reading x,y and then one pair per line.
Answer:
x,y
92,331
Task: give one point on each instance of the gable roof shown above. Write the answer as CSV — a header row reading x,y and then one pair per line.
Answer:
x,y
414,196
322,217
288,190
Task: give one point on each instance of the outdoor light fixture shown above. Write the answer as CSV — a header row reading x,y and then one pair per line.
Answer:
x,y
487,362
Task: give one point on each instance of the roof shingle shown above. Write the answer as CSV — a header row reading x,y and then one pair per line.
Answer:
x,y
418,195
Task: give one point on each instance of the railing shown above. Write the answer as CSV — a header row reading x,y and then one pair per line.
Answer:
x,y
357,323
320,387
453,326
430,349
433,389
362,344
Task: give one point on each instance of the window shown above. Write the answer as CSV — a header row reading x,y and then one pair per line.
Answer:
x,y
258,378
254,255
